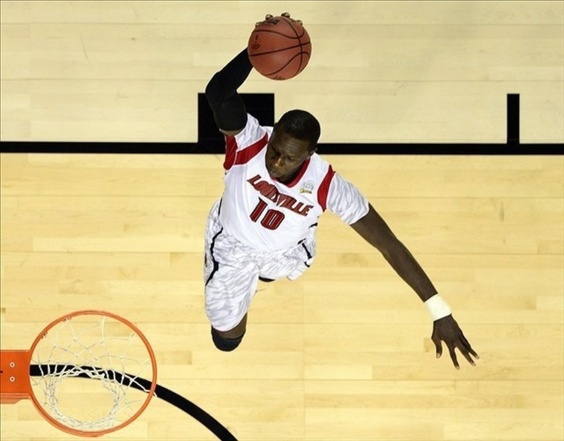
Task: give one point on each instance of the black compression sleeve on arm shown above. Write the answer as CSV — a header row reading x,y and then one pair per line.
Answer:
x,y
221,92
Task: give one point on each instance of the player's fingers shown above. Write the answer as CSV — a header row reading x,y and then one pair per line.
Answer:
x,y
464,340
287,15
453,357
468,347
467,357
438,347
266,18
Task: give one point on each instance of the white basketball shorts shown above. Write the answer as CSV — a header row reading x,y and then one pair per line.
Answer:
x,y
232,269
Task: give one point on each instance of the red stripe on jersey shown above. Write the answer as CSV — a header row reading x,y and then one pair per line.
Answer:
x,y
230,152
323,190
245,155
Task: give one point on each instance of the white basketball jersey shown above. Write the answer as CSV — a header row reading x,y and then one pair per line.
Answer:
x,y
268,215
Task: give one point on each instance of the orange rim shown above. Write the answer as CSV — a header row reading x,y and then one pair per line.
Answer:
x,y
150,394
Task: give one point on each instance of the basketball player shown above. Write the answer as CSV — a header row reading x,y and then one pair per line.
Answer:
x,y
263,227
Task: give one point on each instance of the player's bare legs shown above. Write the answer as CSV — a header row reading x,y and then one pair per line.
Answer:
x,y
229,340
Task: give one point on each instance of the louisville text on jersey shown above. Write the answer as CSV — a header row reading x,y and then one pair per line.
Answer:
x,y
270,192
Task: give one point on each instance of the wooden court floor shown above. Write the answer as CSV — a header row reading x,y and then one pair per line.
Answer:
x,y
343,353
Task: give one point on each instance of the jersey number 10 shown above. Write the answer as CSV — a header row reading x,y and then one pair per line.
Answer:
x,y
271,219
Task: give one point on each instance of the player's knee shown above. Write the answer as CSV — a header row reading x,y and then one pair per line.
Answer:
x,y
225,344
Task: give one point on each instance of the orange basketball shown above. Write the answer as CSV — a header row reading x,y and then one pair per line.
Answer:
x,y
279,48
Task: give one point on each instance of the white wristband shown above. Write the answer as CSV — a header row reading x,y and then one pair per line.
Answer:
x,y
437,307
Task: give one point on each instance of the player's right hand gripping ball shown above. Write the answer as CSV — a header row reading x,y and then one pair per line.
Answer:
x,y
279,47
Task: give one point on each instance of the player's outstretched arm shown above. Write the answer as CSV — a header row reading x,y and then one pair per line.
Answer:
x,y
227,105
376,232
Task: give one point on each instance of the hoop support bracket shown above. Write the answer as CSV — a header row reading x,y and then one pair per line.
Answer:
x,y
14,376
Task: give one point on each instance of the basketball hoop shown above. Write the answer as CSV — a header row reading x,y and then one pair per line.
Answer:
x,y
85,373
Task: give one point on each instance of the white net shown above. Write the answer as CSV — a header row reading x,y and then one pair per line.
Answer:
x,y
91,373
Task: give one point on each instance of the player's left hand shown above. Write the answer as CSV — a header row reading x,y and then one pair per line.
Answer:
x,y
269,17
447,330
287,15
